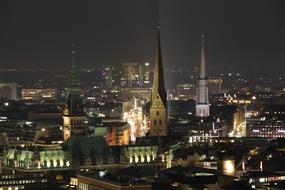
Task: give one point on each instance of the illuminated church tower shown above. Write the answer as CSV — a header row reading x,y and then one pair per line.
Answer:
x,y
202,100
158,109
73,114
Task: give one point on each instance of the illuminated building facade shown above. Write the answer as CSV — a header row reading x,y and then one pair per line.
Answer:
x,y
8,90
135,75
73,115
140,93
140,154
107,75
239,122
134,116
202,99
215,85
205,131
158,109
23,181
39,94
36,160
265,127
185,91
117,133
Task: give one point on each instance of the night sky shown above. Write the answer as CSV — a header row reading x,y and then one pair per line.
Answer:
x,y
243,34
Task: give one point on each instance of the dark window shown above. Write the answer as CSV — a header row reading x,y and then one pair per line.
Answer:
x,y
154,122
157,112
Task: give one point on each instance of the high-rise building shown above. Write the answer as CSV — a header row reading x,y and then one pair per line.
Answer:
x,y
145,74
73,115
215,85
8,90
202,99
158,109
185,91
135,75
107,76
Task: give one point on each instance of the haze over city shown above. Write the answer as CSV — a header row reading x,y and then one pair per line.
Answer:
x,y
240,34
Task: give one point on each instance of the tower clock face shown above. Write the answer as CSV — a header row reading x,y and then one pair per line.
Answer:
x,y
157,103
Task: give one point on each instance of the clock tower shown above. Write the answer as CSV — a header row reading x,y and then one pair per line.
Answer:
x,y
73,114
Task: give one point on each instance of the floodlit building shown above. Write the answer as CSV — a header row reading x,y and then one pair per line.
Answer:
x,y
74,119
117,133
202,99
215,85
140,153
158,109
107,76
8,90
23,181
185,91
36,159
135,75
266,126
39,94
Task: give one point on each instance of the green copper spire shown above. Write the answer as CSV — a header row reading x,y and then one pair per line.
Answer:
x,y
74,103
73,82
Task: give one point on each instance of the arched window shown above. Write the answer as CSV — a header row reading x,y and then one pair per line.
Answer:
x,y
157,113
159,122
154,122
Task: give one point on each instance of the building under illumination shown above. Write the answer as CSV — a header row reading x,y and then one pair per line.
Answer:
x,y
139,153
185,91
158,108
135,75
202,99
117,133
23,181
26,159
215,85
74,119
267,126
39,94
9,91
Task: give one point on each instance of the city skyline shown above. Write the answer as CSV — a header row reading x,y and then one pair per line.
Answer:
x,y
149,94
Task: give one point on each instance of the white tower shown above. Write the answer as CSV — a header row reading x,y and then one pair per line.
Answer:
x,y
202,100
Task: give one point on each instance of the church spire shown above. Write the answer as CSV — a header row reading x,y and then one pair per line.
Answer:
x,y
73,81
202,99
202,73
158,78
73,114
74,103
158,110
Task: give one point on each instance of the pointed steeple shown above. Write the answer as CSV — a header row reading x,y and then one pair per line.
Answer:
x,y
158,78
202,68
158,110
73,81
202,100
74,102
